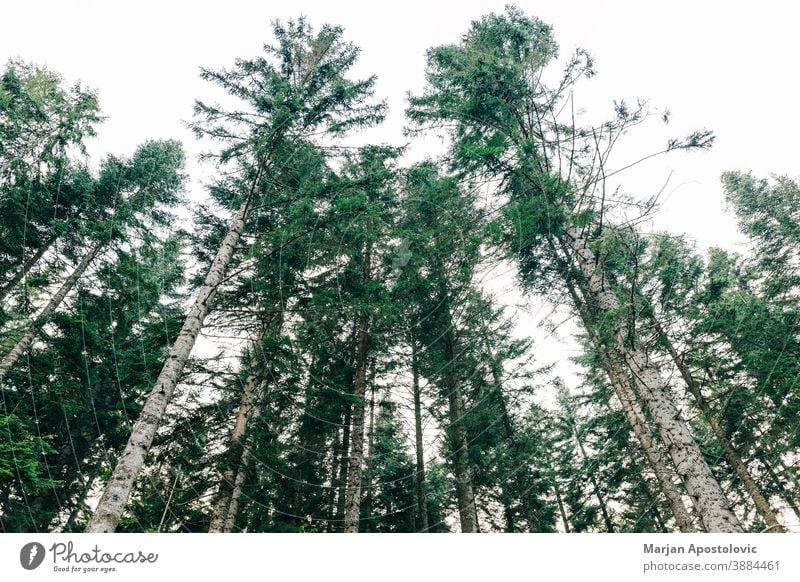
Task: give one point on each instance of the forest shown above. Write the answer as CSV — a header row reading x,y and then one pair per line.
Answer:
x,y
372,378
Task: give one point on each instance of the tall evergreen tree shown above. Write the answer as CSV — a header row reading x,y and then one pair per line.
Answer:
x,y
43,194
294,92
151,179
505,123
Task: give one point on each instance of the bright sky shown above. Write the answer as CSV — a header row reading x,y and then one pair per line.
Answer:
x,y
726,66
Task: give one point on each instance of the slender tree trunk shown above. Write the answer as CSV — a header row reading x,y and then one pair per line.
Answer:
x,y
519,476
508,513
79,503
762,505
560,503
509,486
656,513
27,338
168,503
370,452
223,502
778,484
527,510
458,440
344,462
236,493
12,283
247,410
118,489
475,509
422,505
701,485
352,504
335,458
636,418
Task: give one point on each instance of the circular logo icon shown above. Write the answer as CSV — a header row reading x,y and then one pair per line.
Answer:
x,y
31,555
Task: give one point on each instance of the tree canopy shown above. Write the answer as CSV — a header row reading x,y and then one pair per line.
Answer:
x,y
324,344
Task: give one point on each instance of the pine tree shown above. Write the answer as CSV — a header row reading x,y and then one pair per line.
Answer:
x,y
677,273
42,193
84,382
505,123
306,94
150,179
441,263
391,508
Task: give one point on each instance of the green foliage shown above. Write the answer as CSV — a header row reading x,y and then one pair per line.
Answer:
x,y
84,385
768,215
485,83
389,501
44,194
295,90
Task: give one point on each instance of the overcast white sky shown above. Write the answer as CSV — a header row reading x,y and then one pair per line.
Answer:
x,y
728,66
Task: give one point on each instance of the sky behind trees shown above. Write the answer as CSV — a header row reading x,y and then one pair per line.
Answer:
x,y
728,68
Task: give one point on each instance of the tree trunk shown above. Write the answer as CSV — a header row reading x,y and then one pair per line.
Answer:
x,y
79,504
521,487
508,512
247,410
560,503
458,441
352,504
778,484
422,504
12,283
656,513
236,494
27,338
223,502
344,462
335,457
118,489
635,417
701,485
370,451
762,505
169,501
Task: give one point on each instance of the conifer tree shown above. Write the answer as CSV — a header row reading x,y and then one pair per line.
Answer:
x,y
44,195
553,174
297,90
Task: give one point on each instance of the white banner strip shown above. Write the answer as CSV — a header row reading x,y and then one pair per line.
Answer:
x,y
347,558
